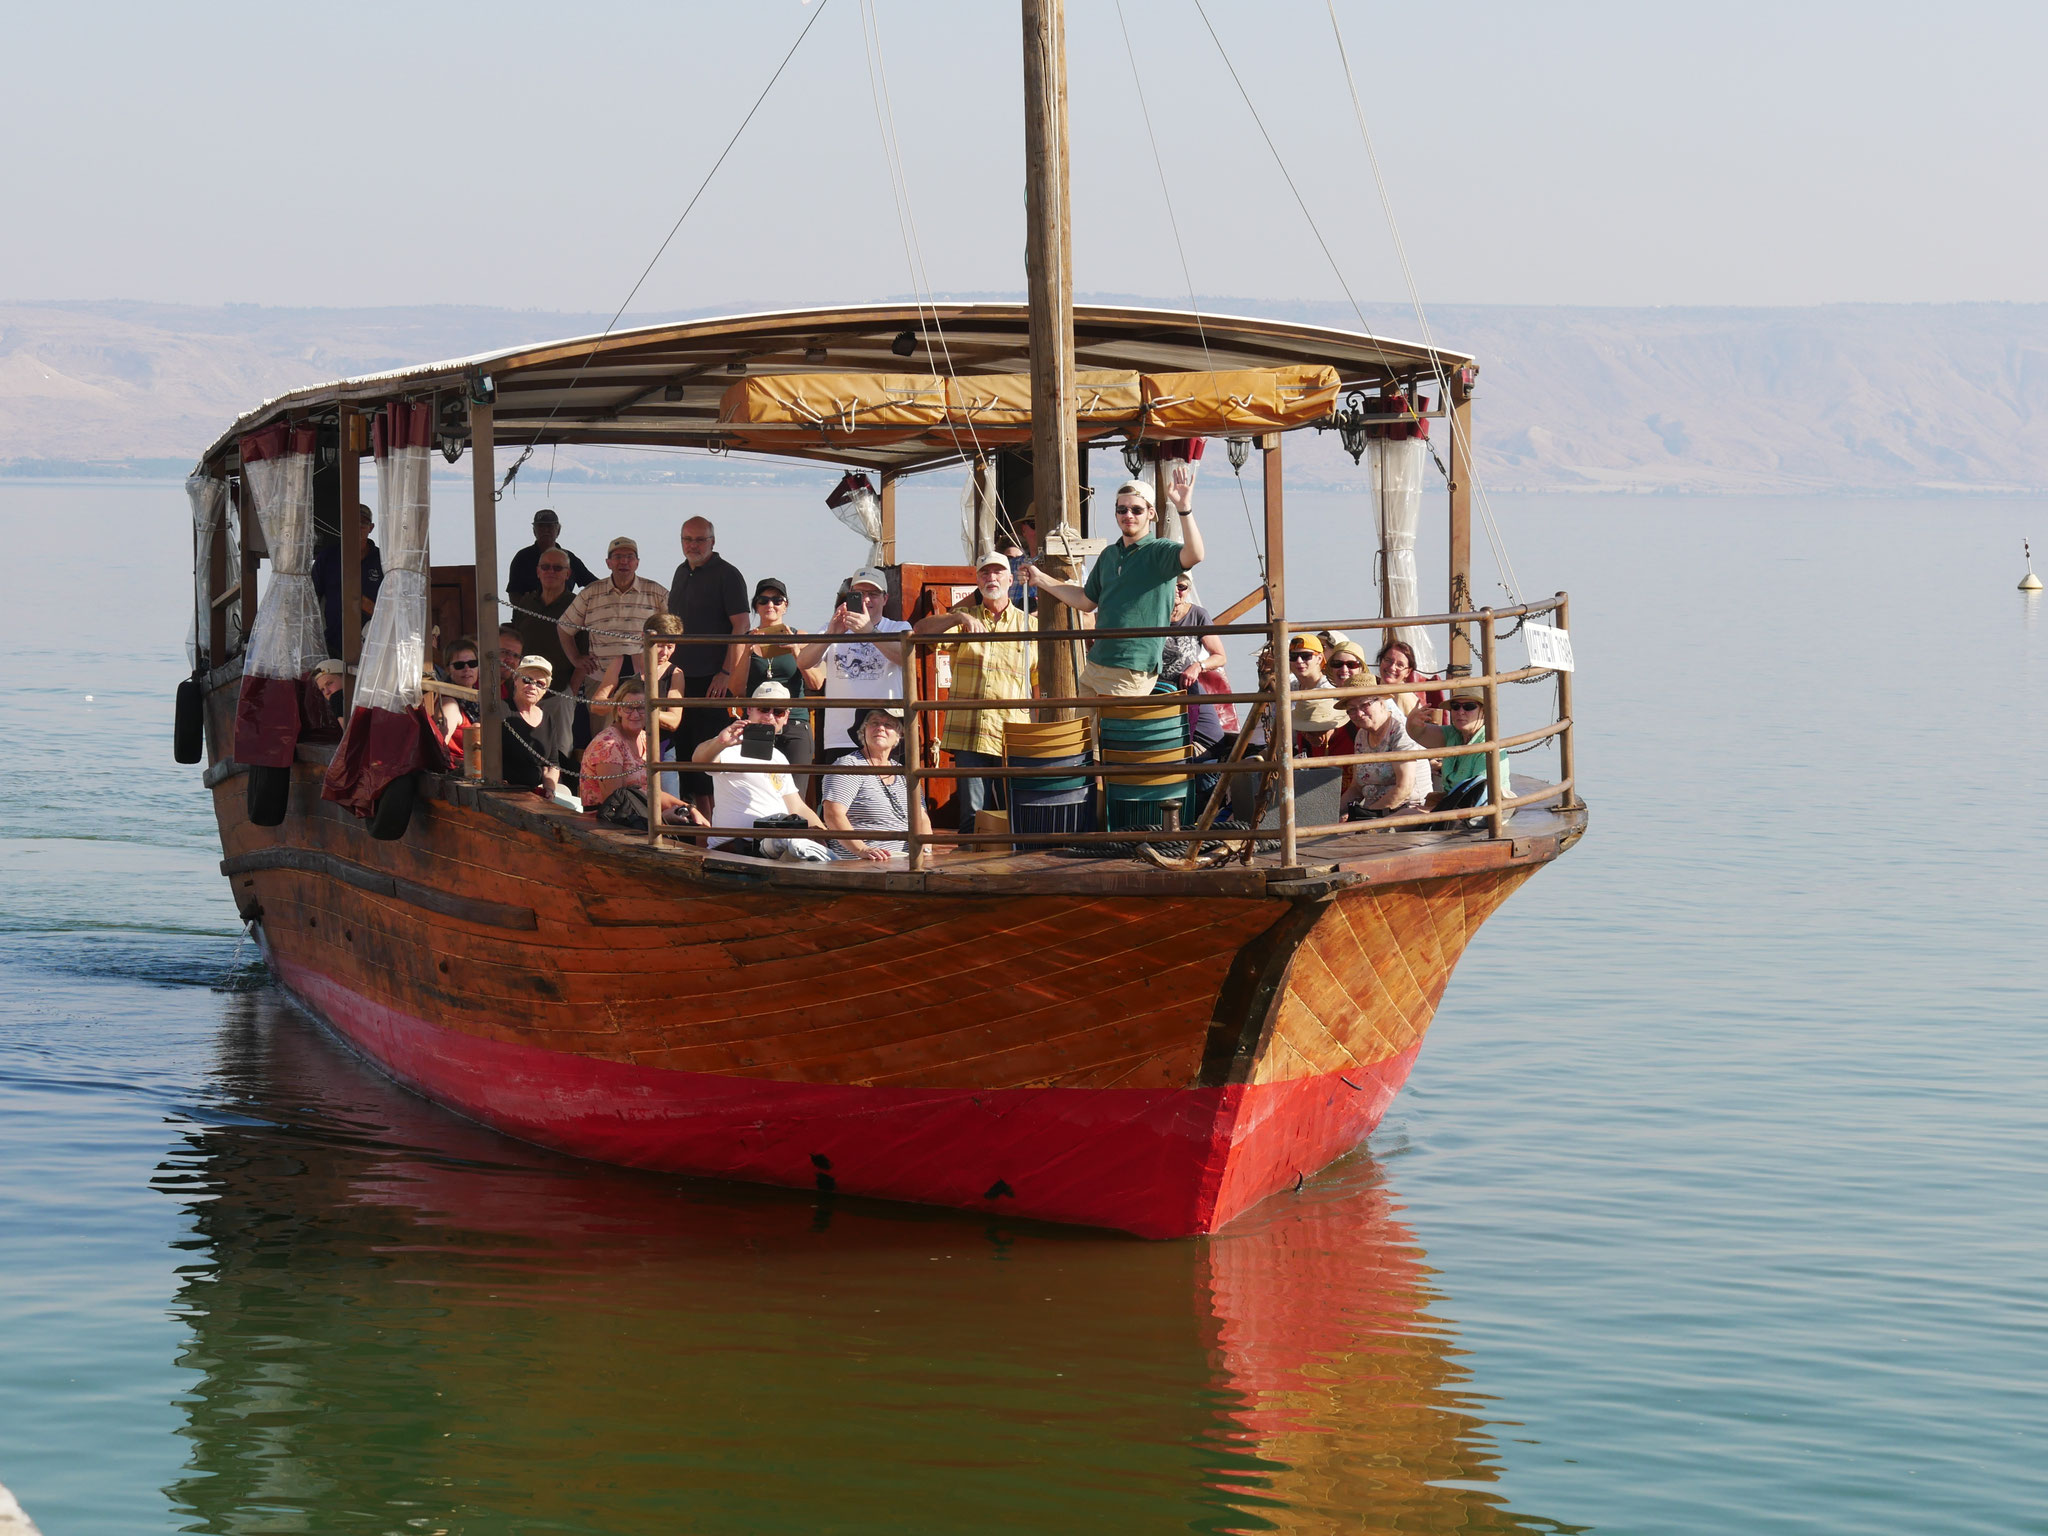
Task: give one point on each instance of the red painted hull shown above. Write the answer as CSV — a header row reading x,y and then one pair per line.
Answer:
x,y
1159,1163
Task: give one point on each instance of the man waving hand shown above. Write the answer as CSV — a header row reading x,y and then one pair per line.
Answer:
x,y
1131,587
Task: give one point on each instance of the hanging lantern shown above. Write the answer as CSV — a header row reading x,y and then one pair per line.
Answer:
x,y
1134,458
1351,425
1240,450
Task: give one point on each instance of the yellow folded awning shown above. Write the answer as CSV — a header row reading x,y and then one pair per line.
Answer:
x,y
1234,403
973,411
839,408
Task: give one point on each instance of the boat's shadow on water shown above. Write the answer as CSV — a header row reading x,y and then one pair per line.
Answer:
x,y
402,1321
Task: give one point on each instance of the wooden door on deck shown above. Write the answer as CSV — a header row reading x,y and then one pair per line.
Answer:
x,y
924,590
452,596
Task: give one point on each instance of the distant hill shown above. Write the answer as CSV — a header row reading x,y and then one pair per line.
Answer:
x,y
1841,398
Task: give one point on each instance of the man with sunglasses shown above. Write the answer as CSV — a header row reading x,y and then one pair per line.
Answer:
x,y
869,670
1131,587
537,611
1463,777
747,799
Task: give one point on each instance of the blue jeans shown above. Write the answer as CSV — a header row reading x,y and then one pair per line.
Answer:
x,y
974,795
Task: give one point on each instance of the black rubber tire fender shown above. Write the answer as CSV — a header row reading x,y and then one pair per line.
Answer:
x,y
188,733
270,794
394,809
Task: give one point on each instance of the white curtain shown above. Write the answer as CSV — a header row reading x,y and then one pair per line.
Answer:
x,y
290,638
1397,494
395,644
207,496
862,512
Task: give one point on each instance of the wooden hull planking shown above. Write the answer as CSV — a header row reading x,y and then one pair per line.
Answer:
x,y
1147,1062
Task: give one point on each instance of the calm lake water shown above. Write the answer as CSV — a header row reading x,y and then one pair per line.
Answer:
x,y
1714,1203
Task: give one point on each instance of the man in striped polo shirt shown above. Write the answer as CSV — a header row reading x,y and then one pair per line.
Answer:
x,y
600,630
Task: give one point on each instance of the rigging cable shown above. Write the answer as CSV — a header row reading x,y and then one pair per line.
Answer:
x,y
922,294
1330,257
1493,534
1173,223
674,229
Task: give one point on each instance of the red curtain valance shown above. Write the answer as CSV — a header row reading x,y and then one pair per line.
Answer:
x,y
274,442
402,426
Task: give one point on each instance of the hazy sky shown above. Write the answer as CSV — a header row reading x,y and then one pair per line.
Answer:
x,y
533,155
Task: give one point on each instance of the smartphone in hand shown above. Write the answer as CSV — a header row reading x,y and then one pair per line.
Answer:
x,y
757,741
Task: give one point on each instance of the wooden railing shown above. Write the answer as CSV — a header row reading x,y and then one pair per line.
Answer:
x,y
1277,762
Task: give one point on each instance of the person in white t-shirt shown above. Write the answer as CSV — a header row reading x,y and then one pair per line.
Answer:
x,y
743,799
857,671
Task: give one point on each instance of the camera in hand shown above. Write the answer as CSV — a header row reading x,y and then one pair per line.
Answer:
x,y
757,741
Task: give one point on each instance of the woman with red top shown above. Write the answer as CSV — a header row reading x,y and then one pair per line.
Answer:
x,y
617,756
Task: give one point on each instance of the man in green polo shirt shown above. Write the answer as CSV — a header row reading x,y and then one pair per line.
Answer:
x,y
1131,587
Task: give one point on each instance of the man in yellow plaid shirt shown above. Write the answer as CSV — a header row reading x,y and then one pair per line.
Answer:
x,y
983,670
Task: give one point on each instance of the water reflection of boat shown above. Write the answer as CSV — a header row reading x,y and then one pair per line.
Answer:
x,y
400,1320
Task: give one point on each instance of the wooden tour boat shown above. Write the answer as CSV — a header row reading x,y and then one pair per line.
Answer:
x,y
1005,1021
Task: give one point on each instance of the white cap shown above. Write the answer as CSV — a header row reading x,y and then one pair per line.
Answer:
x,y
868,576
770,690
991,557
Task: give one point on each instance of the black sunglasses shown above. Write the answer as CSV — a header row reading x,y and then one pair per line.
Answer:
x,y
462,666
1461,705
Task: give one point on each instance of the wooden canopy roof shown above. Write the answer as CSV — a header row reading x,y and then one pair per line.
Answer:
x,y
660,385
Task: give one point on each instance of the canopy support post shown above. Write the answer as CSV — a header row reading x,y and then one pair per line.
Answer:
x,y
484,495
888,517
217,578
1280,730
250,561
1461,521
913,759
350,465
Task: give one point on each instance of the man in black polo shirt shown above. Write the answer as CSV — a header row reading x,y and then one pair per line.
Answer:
x,y
524,575
710,597
535,611
327,578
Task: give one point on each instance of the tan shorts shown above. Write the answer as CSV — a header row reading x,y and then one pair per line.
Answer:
x,y
1125,682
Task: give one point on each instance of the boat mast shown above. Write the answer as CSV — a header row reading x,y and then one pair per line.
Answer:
x,y
1049,283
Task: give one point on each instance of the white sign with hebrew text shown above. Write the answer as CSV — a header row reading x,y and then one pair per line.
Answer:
x,y
1548,647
